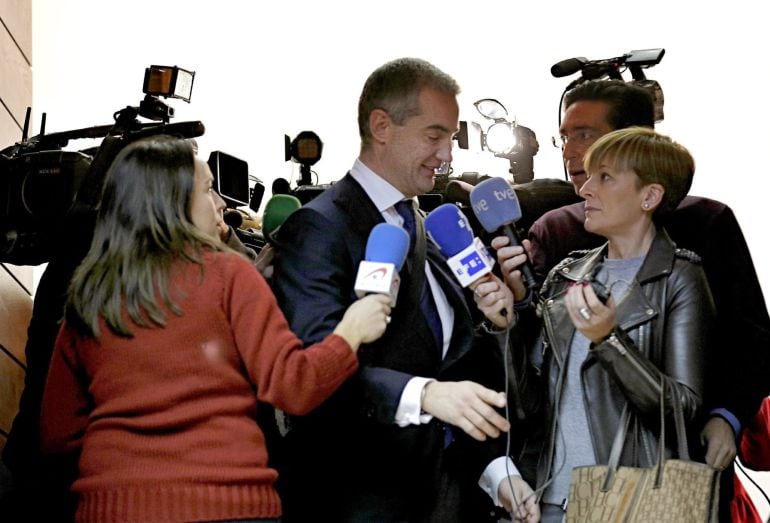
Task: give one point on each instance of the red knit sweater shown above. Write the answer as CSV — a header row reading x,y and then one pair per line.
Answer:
x,y
165,421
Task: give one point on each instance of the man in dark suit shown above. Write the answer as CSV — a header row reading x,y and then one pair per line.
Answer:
x,y
416,432
739,366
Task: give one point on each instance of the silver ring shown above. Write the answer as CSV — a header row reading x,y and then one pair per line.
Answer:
x,y
585,313
476,292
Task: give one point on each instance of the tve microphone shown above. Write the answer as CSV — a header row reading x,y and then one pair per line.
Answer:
x,y
386,251
277,209
450,230
496,206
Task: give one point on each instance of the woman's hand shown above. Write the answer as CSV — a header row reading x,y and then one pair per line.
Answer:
x,y
494,299
365,320
590,316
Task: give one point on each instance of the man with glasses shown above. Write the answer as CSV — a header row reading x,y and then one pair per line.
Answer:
x,y
707,227
593,109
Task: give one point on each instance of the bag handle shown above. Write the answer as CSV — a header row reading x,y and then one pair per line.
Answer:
x,y
620,438
617,449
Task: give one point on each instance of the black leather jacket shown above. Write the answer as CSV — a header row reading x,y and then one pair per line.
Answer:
x,y
662,334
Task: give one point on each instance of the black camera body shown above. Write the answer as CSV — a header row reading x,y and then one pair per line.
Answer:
x,y
37,190
49,196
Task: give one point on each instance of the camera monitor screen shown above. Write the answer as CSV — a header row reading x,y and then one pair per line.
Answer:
x,y
231,178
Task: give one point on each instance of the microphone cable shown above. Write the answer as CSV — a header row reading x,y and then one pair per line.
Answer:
x,y
740,467
516,505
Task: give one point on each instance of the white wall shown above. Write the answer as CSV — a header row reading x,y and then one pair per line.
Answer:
x,y
269,68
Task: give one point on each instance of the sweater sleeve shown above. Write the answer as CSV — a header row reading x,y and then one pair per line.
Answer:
x,y
286,374
66,403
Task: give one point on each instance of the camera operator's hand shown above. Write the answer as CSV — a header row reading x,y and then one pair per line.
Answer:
x,y
719,438
511,258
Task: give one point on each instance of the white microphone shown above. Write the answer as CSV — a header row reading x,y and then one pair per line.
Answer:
x,y
386,251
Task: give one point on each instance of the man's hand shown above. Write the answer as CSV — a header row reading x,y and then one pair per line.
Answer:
x,y
719,439
466,405
520,501
511,258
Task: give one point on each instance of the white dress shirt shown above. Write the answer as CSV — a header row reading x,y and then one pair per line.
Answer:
x,y
409,411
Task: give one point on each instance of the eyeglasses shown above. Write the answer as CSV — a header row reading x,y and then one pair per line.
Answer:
x,y
581,137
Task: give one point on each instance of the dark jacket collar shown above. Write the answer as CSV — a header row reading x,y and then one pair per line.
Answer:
x,y
658,262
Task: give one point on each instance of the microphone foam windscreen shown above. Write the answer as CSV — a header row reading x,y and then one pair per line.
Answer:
x,y
495,204
277,209
449,228
233,218
387,243
567,67
458,191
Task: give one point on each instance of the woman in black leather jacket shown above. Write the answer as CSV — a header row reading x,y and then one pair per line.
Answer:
x,y
597,358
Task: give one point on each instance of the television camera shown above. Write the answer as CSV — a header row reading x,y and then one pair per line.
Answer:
x,y
613,68
49,196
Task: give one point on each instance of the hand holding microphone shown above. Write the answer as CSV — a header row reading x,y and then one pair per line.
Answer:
x,y
376,285
511,258
497,208
365,320
469,261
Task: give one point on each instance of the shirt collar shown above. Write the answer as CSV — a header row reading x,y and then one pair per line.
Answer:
x,y
382,193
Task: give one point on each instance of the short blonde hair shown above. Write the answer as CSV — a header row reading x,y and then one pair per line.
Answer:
x,y
653,157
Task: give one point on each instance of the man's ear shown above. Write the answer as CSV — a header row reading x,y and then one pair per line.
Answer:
x,y
653,195
379,125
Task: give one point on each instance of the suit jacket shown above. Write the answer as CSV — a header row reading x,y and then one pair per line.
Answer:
x,y
390,473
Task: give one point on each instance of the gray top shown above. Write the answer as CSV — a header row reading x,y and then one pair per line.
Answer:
x,y
573,441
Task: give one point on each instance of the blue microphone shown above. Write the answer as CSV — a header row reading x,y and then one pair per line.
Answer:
x,y
451,231
386,251
497,208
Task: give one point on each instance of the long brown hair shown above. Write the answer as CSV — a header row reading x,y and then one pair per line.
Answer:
x,y
143,226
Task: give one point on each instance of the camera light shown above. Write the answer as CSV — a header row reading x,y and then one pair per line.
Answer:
x,y
501,138
491,108
306,148
183,84
169,82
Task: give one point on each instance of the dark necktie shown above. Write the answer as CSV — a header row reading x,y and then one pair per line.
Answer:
x,y
405,208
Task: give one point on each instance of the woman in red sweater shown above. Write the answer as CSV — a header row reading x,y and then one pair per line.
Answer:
x,y
169,340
